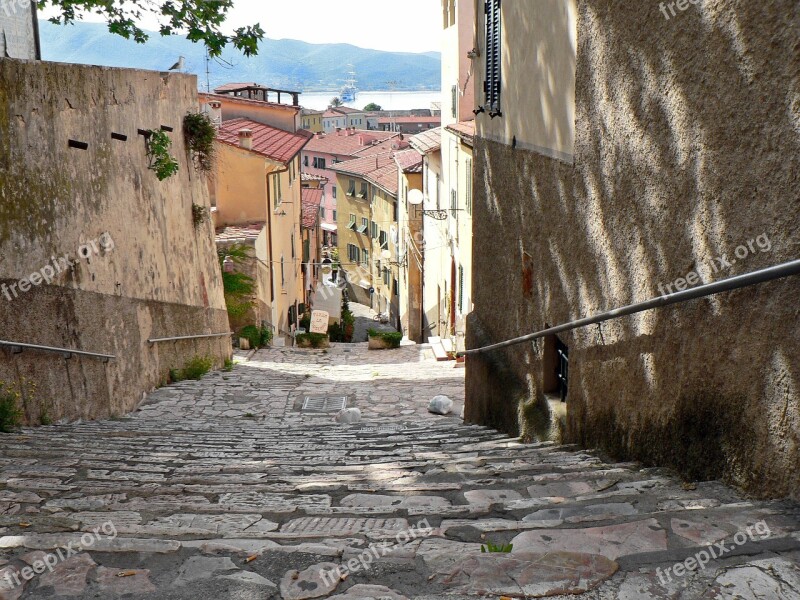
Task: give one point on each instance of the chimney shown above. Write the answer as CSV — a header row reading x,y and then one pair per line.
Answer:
x,y
246,139
215,112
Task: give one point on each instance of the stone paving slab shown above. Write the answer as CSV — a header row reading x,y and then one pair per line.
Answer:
x,y
221,487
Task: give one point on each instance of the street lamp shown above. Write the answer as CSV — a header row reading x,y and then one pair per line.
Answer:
x,y
416,198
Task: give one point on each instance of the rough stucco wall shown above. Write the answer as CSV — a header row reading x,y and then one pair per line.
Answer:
x,y
161,278
687,142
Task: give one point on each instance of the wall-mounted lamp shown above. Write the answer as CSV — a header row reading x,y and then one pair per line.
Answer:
x,y
228,265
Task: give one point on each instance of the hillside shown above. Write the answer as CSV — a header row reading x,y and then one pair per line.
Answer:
x,y
288,64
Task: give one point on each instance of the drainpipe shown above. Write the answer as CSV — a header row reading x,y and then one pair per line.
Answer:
x,y
275,321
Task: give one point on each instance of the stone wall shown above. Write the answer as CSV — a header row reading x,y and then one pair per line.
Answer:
x,y
686,159
140,268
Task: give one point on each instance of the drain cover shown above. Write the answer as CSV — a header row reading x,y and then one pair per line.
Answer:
x,y
324,404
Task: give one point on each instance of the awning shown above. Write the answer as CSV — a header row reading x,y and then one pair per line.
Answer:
x,y
329,227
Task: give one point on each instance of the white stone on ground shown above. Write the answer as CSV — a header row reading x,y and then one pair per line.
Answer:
x,y
440,405
348,416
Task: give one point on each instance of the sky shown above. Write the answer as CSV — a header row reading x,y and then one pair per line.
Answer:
x,y
390,25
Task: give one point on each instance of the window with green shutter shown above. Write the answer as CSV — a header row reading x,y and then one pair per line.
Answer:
x,y
494,43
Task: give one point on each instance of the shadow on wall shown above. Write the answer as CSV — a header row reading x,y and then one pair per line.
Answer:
x,y
686,154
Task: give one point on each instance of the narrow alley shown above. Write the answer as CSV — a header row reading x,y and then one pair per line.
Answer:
x,y
244,486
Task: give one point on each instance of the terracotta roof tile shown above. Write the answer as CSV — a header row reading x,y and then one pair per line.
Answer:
x,y
427,141
463,129
409,161
410,120
311,200
271,142
380,170
345,110
235,86
206,97
240,233
358,142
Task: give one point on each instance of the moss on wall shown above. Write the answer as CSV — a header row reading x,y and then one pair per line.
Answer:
x,y
160,278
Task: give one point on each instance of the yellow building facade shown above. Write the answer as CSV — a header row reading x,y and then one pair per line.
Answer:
x,y
368,238
255,184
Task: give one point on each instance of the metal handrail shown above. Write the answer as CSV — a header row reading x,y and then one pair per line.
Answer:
x,y
701,291
69,352
189,337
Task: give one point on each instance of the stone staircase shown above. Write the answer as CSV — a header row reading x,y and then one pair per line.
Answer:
x,y
300,507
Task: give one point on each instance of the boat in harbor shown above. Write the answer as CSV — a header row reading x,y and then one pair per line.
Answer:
x,y
349,91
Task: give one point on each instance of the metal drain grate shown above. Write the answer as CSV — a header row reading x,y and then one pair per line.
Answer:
x,y
324,404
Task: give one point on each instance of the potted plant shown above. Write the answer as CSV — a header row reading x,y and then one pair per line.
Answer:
x,y
384,340
312,340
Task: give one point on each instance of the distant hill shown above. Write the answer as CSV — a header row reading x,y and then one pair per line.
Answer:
x,y
287,64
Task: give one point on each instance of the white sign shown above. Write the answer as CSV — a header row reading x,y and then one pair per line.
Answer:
x,y
319,321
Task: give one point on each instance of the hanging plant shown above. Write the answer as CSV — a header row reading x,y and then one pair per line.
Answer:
x,y
199,214
200,133
158,145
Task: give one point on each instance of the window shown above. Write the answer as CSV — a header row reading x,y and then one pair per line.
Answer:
x,y
319,163
291,173
353,253
351,189
283,276
469,186
365,258
384,241
352,223
322,211
395,288
334,215
453,203
363,193
292,241
334,192
394,212
493,59
305,161
374,230
454,101
386,276
364,225
276,188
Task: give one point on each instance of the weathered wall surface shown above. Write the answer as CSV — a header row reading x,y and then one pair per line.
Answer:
x,y
18,36
150,272
686,159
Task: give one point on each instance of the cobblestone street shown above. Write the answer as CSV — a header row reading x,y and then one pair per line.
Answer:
x,y
228,488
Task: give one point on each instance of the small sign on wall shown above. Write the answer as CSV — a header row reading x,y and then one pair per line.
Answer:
x,y
319,321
